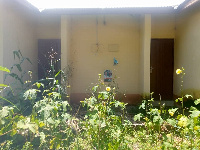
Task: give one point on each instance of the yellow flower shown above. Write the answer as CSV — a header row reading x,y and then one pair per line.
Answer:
x,y
183,121
196,127
179,71
146,119
171,113
108,89
169,135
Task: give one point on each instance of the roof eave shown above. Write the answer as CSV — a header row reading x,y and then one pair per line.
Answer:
x,y
128,10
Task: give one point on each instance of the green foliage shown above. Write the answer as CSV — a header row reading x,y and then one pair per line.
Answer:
x,y
14,94
2,86
169,128
102,122
51,125
4,69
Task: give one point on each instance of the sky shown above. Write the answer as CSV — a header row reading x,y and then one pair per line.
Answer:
x,y
45,4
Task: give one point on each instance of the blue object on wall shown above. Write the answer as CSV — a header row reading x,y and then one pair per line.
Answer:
x,y
115,61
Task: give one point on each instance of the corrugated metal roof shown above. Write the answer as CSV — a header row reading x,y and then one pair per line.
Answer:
x,y
130,10
188,3
44,4
110,6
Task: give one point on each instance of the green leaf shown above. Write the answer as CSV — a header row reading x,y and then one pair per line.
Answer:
x,y
29,60
39,85
56,95
4,69
137,117
158,119
51,121
65,104
143,104
196,102
16,53
103,124
3,85
94,89
16,77
9,102
42,137
13,132
26,124
57,73
187,96
171,122
195,114
19,67
4,112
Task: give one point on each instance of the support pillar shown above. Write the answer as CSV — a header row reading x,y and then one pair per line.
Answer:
x,y
65,40
145,53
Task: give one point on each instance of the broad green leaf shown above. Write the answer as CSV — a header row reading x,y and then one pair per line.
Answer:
x,y
39,85
26,124
51,121
171,122
4,112
158,119
137,117
196,102
33,127
65,104
195,114
4,69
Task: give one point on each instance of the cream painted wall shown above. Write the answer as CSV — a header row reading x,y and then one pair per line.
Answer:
x,y
187,51
163,26
48,27
19,33
1,43
88,60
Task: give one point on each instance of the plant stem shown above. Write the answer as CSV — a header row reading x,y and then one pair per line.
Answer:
x,y
9,102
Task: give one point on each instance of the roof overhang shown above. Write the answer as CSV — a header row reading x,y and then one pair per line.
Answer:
x,y
88,11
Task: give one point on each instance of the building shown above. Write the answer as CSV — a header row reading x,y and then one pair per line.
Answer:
x,y
148,43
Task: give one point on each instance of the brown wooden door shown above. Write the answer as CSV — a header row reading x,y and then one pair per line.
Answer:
x,y
162,66
49,53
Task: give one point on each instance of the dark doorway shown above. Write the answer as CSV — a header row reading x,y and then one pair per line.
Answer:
x,y
161,68
49,55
